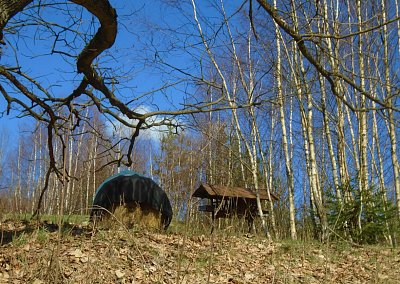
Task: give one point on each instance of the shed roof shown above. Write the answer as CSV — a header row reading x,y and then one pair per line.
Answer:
x,y
206,190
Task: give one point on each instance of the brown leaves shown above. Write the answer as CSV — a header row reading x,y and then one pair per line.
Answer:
x,y
78,255
119,273
142,258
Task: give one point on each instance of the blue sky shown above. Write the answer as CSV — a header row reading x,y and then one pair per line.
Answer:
x,y
136,18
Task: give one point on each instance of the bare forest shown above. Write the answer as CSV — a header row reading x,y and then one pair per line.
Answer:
x,y
296,99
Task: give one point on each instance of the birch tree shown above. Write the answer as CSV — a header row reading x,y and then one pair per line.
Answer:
x,y
246,79
388,89
288,161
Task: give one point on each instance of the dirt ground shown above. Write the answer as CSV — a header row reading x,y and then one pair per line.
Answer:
x,y
30,254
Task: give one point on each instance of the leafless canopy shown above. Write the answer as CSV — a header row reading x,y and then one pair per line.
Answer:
x,y
62,114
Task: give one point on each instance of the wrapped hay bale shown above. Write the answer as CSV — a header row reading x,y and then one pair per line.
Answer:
x,y
135,215
132,198
130,216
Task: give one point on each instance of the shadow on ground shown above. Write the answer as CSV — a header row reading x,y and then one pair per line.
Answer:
x,y
11,230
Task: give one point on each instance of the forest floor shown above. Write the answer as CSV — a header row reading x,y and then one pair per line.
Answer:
x,y
30,254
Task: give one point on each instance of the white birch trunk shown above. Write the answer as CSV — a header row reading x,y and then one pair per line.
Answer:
x,y
362,114
333,61
329,141
68,186
19,184
362,118
267,166
288,163
307,120
391,122
375,136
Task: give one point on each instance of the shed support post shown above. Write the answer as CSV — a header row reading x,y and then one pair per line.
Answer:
x,y
212,215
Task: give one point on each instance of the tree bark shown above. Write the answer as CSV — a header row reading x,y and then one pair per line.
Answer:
x,y
268,169
391,120
307,126
362,118
338,168
288,163
8,9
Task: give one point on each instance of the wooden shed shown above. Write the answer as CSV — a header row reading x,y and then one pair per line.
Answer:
x,y
226,202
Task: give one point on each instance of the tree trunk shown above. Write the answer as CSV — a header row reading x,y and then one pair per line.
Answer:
x,y
267,166
288,163
8,9
391,120
336,168
329,141
19,183
307,124
362,116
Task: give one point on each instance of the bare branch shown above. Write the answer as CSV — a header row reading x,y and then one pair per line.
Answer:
x,y
329,75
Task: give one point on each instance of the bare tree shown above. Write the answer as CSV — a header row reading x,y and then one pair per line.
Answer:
x,y
30,97
288,160
389,90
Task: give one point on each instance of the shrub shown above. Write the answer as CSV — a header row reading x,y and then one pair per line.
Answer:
x,y
364,217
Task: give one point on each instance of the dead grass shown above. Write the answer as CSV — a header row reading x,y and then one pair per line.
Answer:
x,y
131,215
141,256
